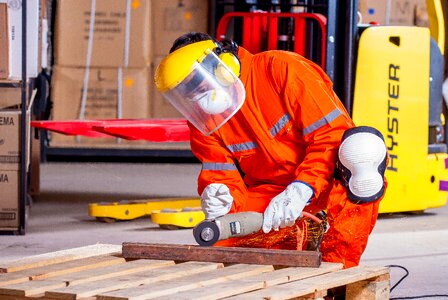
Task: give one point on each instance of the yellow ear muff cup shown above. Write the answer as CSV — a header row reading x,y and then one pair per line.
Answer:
x,y
232,62
224,76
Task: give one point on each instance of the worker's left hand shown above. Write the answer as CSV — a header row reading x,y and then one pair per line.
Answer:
x,y
286,207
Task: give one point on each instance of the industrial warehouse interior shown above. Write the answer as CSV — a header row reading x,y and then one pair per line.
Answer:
x,y
101,186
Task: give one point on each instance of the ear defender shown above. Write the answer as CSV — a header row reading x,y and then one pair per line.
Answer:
x,y
226,51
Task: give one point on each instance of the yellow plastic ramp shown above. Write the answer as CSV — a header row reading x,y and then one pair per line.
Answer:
x,y
133,209
187,217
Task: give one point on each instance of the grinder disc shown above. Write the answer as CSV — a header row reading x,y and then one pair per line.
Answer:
x,y
206,233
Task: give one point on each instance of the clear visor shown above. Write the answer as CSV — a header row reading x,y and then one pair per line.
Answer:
x,y
209,96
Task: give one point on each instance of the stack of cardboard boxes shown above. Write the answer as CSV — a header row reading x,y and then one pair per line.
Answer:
x,y
11,137
106,52
10,162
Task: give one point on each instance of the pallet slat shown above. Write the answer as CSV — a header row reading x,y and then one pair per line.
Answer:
x,y
254,282
74,277
204,279
58,269
311,285
225,289
31,288
90,289
58,257
128,268
293,274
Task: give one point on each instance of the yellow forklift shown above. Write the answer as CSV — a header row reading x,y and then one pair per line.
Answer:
x,y
398,89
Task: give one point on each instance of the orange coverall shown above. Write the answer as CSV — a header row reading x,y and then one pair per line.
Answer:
x,y
289,128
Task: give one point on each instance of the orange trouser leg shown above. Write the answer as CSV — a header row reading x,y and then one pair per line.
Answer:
x,y
350,227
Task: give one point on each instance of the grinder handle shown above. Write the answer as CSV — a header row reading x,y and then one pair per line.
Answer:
x,y
239,224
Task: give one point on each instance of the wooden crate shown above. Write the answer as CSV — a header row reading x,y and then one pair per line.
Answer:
x,y
100,272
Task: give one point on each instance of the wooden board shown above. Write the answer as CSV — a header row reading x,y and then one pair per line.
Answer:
x,y
58,257
288,258
112,277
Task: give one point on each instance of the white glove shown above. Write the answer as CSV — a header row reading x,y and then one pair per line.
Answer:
x,y
286,207
216,200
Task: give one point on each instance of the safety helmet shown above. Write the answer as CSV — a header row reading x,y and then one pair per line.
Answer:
x,y
201,81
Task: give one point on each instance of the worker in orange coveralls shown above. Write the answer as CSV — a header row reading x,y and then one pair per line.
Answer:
x,y
269,131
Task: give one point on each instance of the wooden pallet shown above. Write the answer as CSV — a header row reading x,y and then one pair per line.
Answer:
x,y
100,272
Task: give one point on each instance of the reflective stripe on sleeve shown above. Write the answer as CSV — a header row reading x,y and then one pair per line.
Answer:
x,y
218,166
323,121
242,147
280,124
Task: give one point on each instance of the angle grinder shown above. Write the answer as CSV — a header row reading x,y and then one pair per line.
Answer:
x,y
208,232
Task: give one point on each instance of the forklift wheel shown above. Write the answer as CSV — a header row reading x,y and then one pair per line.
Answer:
x,y
106,220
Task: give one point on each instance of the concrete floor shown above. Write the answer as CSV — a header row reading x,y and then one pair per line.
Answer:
x,y
59,220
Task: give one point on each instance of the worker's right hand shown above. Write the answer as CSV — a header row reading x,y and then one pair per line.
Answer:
x,y
216,200
286,207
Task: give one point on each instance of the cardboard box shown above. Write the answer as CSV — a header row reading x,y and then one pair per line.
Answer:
x,y
9,201
160,107
402,12
119,35
388,12
10,96
109,95
421,14
4,43
374,11
173,18
10,139
15,38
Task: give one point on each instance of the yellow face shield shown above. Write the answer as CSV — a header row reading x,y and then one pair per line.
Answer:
x,y
204,90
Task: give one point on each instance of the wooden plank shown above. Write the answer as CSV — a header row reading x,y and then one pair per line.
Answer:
x,y
58,269
294,273
90,289
127,268
204,279
7,279
36,287
74,266
58,257
224,289
223,254
317,283
6,297
31,288
254,282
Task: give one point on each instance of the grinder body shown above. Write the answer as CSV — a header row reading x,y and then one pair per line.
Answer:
x,y
240,224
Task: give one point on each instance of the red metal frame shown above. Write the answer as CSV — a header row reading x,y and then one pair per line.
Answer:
x,y
259,24
152,130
